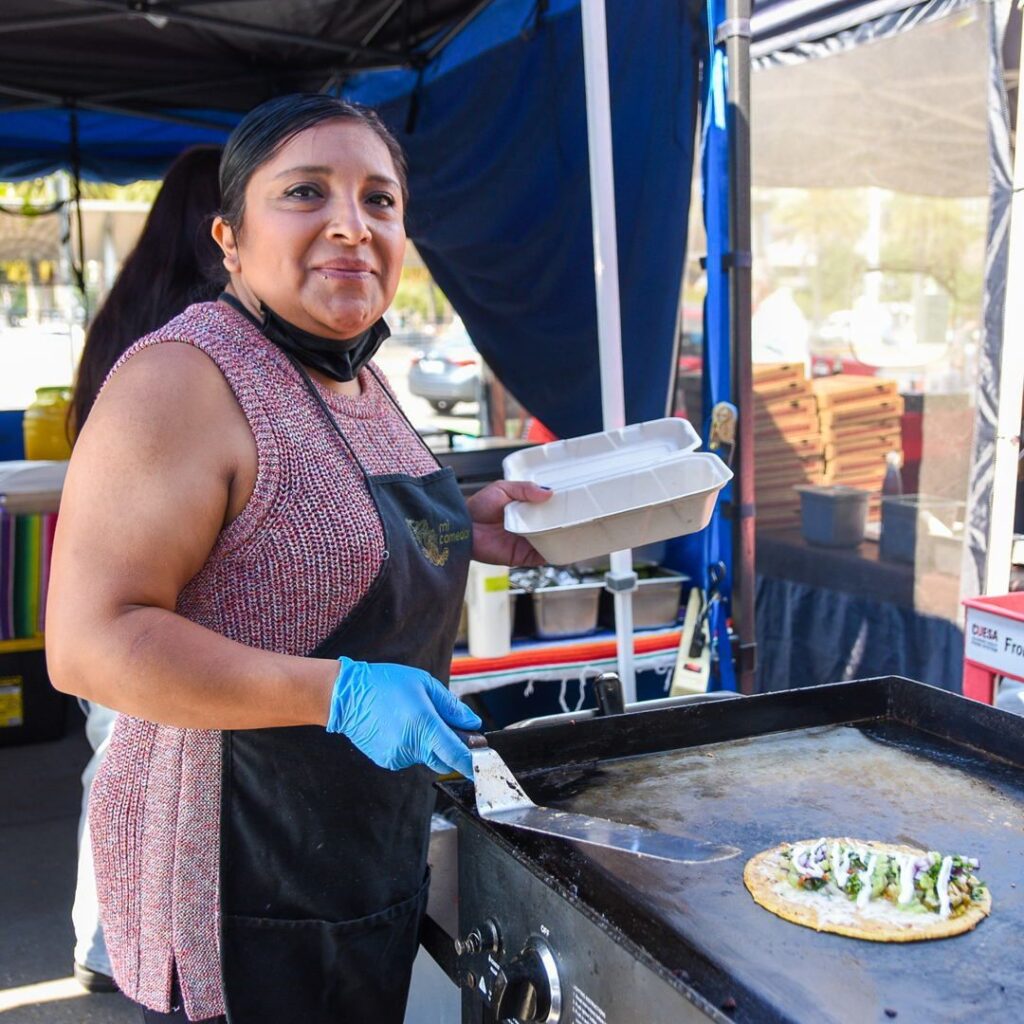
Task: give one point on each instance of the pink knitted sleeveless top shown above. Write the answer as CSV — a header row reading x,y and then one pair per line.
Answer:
x,y
280,577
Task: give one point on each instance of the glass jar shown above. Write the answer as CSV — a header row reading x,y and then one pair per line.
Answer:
x,y
45,424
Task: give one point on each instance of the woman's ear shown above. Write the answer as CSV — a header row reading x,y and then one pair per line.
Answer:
x,y
224,236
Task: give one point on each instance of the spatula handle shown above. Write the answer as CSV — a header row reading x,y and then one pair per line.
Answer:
x,y
473,740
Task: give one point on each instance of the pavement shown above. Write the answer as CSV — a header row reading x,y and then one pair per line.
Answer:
x,y
40,797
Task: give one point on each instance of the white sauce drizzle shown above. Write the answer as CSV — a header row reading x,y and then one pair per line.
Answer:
x,y
906,862
835,908
865,882
942,886
816,868
833,857
812,869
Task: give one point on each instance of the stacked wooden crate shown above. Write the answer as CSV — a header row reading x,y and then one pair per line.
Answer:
x,y
860,424
787,443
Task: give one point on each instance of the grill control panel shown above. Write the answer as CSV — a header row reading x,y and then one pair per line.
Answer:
x,y
527,955
523,988
528,989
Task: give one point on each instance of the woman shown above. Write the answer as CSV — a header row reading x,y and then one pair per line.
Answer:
x,y
261,566
175,262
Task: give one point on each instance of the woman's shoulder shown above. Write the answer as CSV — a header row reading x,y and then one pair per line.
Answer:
x,y
206,325
224,336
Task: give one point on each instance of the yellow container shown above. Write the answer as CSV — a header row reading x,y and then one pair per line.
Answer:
x,y
45,425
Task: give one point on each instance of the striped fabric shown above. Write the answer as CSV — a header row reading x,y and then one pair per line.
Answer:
x,y
26,542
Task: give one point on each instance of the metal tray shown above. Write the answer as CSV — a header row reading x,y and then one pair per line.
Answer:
x,y
566,611
656,601
885,758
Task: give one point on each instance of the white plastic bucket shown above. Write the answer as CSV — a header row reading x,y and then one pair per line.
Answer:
x,y
490,610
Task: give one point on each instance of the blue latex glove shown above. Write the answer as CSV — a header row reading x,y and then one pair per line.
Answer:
x,y
400,716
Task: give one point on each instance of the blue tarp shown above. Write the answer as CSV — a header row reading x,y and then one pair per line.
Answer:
x,y
497,143
707,556
110,147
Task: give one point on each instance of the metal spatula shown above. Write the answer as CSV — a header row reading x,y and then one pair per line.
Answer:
x,y
500,798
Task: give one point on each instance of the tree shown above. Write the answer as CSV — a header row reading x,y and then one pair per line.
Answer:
x,y
829,225
942,238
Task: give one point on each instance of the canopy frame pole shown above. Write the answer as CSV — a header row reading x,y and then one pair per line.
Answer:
x,y
621,580
455,30
1011,385
53,101
58,21
737,52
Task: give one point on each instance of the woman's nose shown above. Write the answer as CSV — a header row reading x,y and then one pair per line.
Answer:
x,y
348,222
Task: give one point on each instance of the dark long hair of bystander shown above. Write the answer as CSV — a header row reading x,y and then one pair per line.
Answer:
x,y
174,263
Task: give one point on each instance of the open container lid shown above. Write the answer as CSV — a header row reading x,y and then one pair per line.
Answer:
x,y
615,490
604,455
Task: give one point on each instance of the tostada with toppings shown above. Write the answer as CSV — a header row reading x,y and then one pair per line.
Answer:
x,y
869,890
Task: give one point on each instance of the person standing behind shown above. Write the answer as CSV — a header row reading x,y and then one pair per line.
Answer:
x,y
174,263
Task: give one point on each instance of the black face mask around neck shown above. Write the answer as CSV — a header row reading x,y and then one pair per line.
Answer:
x,y
341,360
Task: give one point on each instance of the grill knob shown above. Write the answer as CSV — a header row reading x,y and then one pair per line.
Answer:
x,y
485,939
527,990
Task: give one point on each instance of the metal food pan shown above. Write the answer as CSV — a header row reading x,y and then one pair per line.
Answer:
x,y
570,610
656,600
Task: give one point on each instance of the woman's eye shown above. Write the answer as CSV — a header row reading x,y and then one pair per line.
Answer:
x,y
382,199
303,192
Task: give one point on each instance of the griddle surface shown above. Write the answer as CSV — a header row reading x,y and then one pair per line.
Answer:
x,y
881,781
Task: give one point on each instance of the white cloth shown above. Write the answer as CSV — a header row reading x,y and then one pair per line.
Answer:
x,y
90,949
780,332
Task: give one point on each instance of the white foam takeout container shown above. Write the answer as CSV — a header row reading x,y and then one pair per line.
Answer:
x,y
616,489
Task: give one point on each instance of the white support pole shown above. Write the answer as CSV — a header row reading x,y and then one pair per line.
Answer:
x,y
606,286
1011,385
65,289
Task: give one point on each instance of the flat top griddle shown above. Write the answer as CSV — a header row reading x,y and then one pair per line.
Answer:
x,y
881,759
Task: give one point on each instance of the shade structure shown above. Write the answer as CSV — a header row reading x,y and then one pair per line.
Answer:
x,y
497,144
914,75
104,221
909,96
488,100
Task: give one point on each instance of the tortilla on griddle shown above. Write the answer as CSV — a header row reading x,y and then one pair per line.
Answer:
x,y
829,910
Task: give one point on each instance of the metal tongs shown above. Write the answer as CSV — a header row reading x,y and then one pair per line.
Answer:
x,y
501,799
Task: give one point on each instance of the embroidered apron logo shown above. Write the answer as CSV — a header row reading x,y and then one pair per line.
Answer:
x,y
435,544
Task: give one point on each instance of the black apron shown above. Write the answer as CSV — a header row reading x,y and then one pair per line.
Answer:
x,y
323,864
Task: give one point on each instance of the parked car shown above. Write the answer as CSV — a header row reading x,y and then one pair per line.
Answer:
x,y
448,372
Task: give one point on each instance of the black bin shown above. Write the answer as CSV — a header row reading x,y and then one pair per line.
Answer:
x,y
31,710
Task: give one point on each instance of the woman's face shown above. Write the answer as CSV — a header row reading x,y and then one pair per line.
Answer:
x,y
322,235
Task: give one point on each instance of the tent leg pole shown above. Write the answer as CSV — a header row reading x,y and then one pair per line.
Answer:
x,y
606,285
1011,386
737,50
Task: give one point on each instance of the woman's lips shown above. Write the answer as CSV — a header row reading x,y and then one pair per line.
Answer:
x,y
344,274
345,270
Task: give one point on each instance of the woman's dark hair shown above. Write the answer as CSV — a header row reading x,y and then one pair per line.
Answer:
x,y
266,128
174,263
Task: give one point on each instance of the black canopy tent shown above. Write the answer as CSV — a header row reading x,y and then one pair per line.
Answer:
x,y
150,57
127,87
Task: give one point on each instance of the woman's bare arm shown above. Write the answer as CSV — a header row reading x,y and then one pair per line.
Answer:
x,y
153,480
